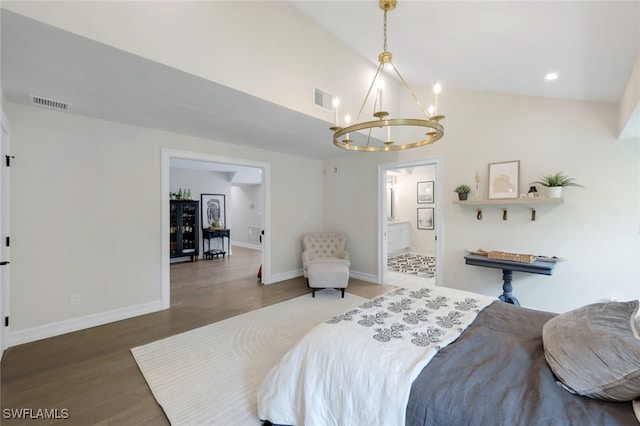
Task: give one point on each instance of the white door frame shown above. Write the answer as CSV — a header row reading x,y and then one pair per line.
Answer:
x,y
5,254
382,213
166,156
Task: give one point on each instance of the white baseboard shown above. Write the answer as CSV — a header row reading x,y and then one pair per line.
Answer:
x,y
276,278
364,277
67,326
298,273
246,245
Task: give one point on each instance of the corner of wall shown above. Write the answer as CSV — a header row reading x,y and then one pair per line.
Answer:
x,y
629,106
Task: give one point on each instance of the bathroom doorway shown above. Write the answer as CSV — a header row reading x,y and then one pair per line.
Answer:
x,y
410,222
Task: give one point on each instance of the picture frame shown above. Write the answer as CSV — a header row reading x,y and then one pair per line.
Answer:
x,y
424,192
504,180
426,219
213,209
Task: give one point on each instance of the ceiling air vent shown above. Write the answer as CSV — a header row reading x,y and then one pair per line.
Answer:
x,y
322,99
49,103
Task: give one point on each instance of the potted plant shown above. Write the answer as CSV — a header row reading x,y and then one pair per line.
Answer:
x,y
463,191
555,183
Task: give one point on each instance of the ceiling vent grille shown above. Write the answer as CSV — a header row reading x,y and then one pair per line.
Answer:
x,y
322,99
49,103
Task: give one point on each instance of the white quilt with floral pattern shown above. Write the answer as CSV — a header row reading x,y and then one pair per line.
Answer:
x,y
357,368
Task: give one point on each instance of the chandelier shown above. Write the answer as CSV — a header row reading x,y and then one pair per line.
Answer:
x,y
434,130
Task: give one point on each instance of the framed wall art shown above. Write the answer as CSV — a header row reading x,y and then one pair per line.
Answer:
x,y
504,180
213,210
425,192
425,218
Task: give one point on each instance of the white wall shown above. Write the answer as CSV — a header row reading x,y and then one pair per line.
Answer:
x,y
86,206
248,205
237,56
596,229
629,121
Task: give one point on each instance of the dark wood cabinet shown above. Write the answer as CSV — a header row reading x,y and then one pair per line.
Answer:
x,y
184,227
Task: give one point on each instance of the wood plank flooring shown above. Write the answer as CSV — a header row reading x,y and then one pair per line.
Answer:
x,y
92,374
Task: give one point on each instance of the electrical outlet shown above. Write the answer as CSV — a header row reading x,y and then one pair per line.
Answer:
x,y
75,299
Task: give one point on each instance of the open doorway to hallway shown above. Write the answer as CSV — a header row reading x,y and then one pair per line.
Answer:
x,y
244,214
229,203
410,197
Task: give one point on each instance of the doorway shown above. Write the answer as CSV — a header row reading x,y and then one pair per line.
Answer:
x,y
4,233
168,156
410,222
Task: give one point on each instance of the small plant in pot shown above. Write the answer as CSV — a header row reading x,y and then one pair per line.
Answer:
x,y
555,183
463,191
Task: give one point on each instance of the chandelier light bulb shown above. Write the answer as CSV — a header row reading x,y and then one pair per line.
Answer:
x,y
347,120
436,90
336,104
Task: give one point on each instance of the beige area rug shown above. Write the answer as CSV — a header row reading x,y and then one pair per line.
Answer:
x,y
210,375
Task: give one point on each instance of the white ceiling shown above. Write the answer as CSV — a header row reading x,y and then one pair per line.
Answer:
x,y
505,46
236,174
497,46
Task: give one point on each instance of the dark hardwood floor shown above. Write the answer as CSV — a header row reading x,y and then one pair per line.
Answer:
x,y
91,377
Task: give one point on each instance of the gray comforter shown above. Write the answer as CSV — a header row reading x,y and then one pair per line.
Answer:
x,y
496,374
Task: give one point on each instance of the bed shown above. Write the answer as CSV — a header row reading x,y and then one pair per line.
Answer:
x,y
437,356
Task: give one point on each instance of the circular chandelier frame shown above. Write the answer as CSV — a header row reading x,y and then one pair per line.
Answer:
x,y
435,133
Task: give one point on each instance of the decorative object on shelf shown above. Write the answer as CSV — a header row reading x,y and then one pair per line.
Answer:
x,y
533,192
478,180
213,210
504,179
463,191
381,142
425,218
513,257
425,192
555,183
183,195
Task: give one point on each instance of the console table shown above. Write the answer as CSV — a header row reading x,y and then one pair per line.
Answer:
x,y
207,234
507,266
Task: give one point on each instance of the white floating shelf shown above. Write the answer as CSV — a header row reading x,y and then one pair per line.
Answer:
x,y
511,201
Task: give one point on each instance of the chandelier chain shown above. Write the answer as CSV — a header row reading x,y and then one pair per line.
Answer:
x,y
384,48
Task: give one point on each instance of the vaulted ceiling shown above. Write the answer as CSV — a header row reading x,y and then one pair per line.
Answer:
x,y
504,47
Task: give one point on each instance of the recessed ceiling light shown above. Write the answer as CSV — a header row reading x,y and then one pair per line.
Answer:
x,y
551,76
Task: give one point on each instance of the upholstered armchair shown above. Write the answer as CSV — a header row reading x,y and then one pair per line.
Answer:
x,y
324,247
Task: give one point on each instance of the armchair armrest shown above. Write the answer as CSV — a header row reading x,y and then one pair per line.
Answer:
x,y
308,256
